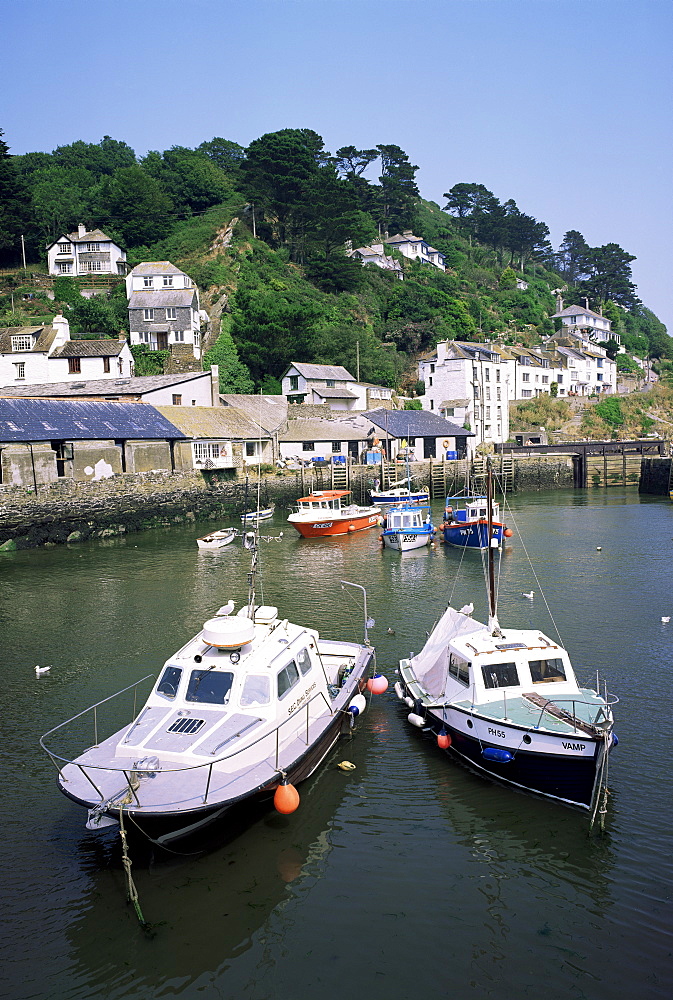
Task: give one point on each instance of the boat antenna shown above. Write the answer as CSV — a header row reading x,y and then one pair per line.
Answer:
x,y
493,625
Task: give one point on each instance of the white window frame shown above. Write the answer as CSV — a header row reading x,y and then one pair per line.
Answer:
x,y
64,267
93,247
148,315
168,280
148,281
22,342
179,336
171,312
64,248
20,369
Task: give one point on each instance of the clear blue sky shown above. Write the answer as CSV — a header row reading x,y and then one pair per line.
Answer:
x,y
563,105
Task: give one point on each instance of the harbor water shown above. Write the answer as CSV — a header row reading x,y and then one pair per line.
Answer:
x,y
409,876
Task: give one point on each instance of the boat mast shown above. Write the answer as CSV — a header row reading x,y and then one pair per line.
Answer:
x,y
493,624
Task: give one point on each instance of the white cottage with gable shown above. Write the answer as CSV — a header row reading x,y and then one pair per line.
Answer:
x,y
584,323
416,248
85,252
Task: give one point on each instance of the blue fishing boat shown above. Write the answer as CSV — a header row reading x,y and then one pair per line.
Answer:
x,y
407,527
468,526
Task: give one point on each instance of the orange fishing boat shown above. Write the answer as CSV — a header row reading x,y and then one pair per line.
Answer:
x,y
323,513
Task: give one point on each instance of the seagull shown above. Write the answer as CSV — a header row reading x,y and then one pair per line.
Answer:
x,y
529,596
466,609
599,548
226,609
391,631
665,619
41,670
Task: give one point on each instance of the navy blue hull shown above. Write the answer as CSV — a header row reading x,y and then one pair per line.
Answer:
x,y
471,534
570,779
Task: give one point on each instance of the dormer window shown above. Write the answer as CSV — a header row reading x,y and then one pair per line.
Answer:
x,y
148,281
168,280
329,382
22,343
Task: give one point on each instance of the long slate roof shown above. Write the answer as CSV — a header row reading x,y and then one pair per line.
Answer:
x,y
415,423
136,386
160,297
105,348
53,420
269,411
156,267
329,393
322,371
212,422
355,427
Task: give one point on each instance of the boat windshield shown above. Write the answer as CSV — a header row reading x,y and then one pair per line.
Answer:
x,y
303,661
287,678
169,683
542,671
256,690
211,686
498,675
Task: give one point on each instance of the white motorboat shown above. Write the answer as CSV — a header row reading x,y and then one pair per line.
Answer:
x,y
217,539
251,702
262,514
506,701
407,527
398,492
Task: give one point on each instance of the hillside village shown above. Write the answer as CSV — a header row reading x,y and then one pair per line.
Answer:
x,y
434,343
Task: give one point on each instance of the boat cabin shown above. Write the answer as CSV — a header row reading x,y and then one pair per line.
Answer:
x,y
322,500
475,510
235,676
403,518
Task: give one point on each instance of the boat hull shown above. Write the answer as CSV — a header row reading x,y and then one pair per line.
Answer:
x,y
320,528
472,534
566,774
216,540
167,826
392,499
254,516
405,541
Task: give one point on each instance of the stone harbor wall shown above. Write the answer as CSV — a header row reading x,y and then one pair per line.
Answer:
x,y
71,511
655,476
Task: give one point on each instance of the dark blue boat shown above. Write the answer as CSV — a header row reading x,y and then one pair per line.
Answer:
x,y
468,526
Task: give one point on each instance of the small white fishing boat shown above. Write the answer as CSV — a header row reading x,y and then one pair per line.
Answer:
x,y
217,539
407,527
506,701
398,492
247,705
262,514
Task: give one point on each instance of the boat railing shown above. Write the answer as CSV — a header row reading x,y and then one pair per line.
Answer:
x,y
131,775
557,707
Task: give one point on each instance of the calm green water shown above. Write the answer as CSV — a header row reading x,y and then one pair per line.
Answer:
x,y
407,877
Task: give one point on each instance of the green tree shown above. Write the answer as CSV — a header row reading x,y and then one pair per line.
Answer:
x,y
191,179
66,290
59,200
352,162
572,258
398,188
135,204
507,278
93,315
15,216
234,375
227,155
100,159
148,362
413,404
610,410
610,275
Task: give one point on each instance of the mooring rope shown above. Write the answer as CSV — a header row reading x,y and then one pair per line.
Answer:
x,y
132,892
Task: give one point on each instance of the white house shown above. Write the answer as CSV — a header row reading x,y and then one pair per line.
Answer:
x,y
186,389
582,371
164,311
375,254
415,248
333,386
466,383
47,355
584,322
85,252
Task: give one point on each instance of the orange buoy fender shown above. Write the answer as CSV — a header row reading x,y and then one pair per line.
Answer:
x,y
377,684
508,532
443,740
286,798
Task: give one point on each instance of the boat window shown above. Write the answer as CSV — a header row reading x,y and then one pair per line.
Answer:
x,y
212,686
542,671
459,668
499,675
256,690
170,681
287,678
303,661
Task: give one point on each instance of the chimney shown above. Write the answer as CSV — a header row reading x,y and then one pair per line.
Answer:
x,y
81,231
586,304
215,385
121,336
559,302
62,327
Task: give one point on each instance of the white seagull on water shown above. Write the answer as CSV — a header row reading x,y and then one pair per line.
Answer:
x,y
529,596
41,670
